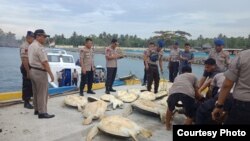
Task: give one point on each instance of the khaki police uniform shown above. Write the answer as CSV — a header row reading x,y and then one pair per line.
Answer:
x,y
183,90
38,75
153,71
111,65
87,56
174,63
222,59
27,85
238,72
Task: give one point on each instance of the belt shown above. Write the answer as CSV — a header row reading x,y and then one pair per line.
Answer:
x,y
38,68
155,65
246,103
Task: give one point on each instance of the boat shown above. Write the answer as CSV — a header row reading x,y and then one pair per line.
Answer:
x,y
62,62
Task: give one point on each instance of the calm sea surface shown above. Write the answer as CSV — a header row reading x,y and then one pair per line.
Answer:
x,y
10,75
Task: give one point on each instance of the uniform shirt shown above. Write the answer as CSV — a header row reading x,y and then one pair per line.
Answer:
x,y
174,55
189,55
75,74
210,74
37,55
218,80
222,59
111,63
238,72
87,56
153,51
185,83
24,49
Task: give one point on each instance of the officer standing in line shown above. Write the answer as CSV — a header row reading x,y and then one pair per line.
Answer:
x,y
174,59
39,65
152,57
221,57
238,74
27,86
186,57
111,63
87,65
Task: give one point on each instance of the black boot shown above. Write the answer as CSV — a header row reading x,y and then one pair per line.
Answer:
x,y
91,92
112,90
45,115
107,90
36,112
28,105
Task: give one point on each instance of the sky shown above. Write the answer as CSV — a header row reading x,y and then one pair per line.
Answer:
x,y
140,17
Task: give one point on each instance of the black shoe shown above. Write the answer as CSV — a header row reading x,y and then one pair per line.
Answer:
x,y
36,113
28,105
45,115
112,90
81,94
107,92
91,92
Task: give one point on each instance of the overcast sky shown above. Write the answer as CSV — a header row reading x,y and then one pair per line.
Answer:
x,y
140,17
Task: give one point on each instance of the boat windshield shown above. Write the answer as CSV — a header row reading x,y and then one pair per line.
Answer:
x,y
53,58
67,59
56,58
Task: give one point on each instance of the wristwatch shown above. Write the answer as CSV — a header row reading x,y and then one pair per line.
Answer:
x,y
217,105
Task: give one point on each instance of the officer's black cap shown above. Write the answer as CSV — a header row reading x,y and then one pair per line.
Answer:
x,y
41,32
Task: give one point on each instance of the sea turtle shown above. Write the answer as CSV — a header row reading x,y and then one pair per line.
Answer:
x,y
113,100
118,126
135,91
126,97
163,101
147,107
147,95
161,94
107,97
76,101
94,110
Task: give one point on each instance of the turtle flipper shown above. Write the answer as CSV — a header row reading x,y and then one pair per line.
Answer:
x,y
87,120
145,133
163,117
79,107
133,136
92,133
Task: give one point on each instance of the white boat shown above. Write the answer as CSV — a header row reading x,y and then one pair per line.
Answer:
x,y
60,61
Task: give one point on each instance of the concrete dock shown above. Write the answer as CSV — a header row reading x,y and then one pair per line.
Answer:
x,y
20,124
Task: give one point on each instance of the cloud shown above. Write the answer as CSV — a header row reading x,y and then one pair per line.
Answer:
x,y
141,17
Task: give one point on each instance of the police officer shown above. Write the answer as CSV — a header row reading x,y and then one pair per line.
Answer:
x,y
27,86
111,55
186,57
174,62
153,57
209,72
238,74
87,65
221,57
75,77
38,74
